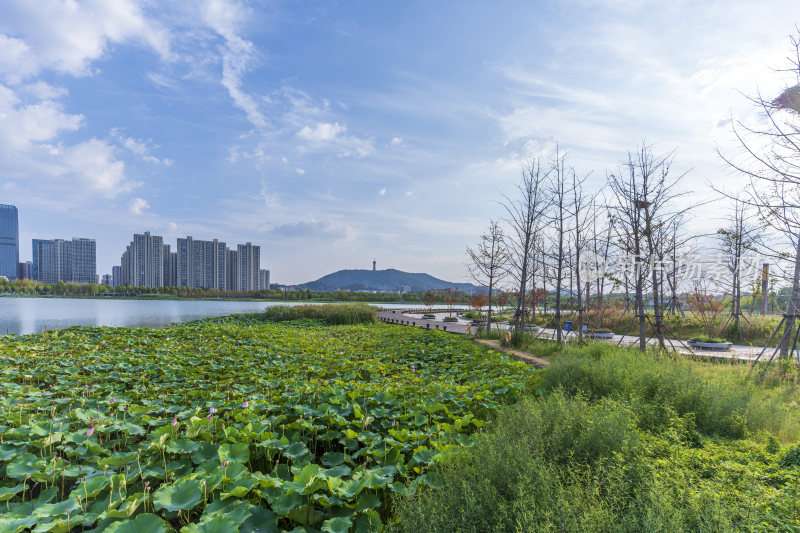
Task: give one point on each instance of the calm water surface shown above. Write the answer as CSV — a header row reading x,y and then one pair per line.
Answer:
x,y
21,316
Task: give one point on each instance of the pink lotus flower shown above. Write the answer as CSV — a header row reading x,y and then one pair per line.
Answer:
x,y
89,432
212,410
341,353
224,464
245,404
112,400
175,421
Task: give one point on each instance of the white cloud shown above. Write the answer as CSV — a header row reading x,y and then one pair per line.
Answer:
x,y
161,80
29,147
382,192
300,171
93,163
68,36
395,141
322,132
137,205
238,55
333,134
312,228
140,148
409,193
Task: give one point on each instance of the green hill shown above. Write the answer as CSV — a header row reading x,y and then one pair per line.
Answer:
x,y
383,280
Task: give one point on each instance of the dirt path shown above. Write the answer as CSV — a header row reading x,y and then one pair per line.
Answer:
x,y
538,362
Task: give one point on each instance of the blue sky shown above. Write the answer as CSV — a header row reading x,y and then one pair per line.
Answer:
x,y
332,133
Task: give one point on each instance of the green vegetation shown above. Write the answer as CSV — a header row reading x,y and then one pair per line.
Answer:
x,y
25,287
707,339
622,441
332,314
235,422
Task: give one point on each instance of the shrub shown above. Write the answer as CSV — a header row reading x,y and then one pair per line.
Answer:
x,y
566,464
328,313
723,398
791,457
707,339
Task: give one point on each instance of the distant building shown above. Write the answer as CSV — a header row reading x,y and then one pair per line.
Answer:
x,y
9,241
142,263
107,280
84,260
249,257
170,267
263,279
202,264
116,276
233,270
57,260
25,270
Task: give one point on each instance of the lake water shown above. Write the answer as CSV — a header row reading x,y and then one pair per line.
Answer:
x,y
21,316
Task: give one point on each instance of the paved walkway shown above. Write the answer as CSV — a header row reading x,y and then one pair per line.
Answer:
x,y
400,317
538,362
413,317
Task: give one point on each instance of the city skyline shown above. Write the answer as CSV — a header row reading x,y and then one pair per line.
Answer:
x,y
332,134
146,261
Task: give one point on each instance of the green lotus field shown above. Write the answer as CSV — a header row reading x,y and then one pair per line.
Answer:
x,y
234,423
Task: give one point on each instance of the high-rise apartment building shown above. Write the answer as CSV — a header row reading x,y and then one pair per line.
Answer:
x,y
249,257
202,264
263,279
116,276
169,276
84,260
142,263
57,260
25,270
106,280
233,270
9,241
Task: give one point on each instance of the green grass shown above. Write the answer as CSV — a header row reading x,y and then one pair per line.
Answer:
x,y
617,440
332,314
565,463
724,397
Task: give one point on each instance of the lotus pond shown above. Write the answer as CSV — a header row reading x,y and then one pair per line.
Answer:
x,y
234,423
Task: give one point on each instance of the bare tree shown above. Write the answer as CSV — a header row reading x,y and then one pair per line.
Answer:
x,y
489,259
523,215
559,218
737,238
582,217
771,160
645,192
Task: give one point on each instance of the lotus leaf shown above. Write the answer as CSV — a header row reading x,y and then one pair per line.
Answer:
x,y
185,496
144,522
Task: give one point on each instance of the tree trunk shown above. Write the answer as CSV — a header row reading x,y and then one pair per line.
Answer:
x,y
794,305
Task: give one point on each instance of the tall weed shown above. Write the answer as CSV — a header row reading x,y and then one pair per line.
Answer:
x,y
328,313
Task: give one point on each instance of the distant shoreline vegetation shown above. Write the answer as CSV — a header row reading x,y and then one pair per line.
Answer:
x,y
28,288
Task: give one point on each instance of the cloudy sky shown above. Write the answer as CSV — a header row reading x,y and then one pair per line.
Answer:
x,y
331,133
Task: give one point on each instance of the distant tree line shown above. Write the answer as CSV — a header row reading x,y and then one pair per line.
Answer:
x,y
25,286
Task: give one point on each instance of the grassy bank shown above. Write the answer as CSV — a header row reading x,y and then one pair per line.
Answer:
x,y
616,440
